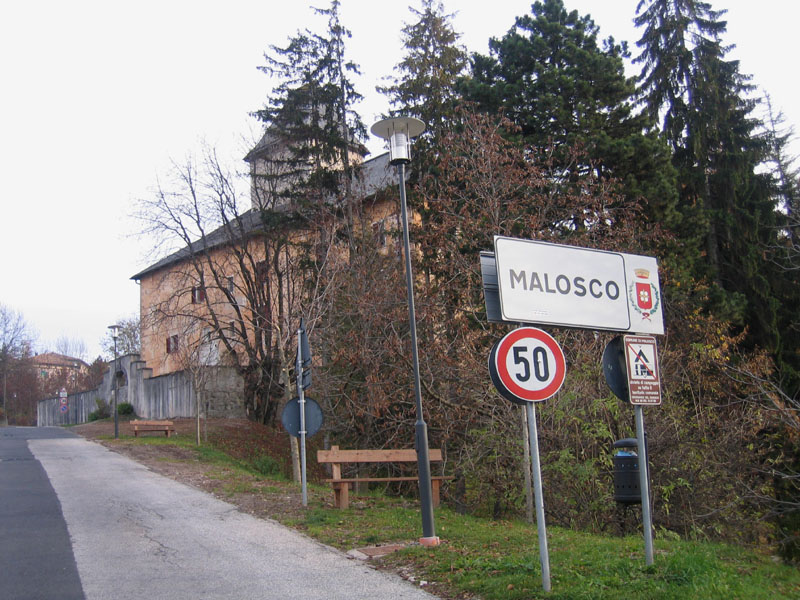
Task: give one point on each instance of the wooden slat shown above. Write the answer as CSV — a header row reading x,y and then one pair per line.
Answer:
x,y
376,479
375,456
162,423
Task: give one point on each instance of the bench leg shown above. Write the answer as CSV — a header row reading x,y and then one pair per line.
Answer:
x,y
341,495
435,485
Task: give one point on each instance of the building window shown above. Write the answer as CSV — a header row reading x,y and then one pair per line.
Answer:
x,y
198,294
172,344
230,285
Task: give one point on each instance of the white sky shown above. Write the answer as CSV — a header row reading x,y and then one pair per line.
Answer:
x,y
96,98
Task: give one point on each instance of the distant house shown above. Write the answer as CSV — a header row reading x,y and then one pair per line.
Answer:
x,y
55,371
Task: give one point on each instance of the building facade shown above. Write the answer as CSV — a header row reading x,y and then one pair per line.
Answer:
x,y
56,371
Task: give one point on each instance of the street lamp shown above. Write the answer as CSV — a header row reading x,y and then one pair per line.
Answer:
x,y
398,132
114,335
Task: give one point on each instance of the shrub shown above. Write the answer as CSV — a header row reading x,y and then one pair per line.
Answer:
x,y
125,409
266,465
102,410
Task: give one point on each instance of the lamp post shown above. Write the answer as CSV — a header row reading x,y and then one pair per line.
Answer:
x,y
398,132
114,334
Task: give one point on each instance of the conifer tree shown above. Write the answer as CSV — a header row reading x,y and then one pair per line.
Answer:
x,y
425,86
783,167
310,114
728,205
672,28
550,77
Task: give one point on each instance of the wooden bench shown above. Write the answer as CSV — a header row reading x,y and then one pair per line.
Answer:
x,y
341,485
149,426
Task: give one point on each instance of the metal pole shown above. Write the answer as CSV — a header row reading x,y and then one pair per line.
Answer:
x,y
116,368
644,486
526,459
421,428
302,401
544,556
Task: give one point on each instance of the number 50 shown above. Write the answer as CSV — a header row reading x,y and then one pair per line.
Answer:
x,y
541,366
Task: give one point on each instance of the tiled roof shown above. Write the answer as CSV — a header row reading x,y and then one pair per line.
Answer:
x,y
52,359
376,174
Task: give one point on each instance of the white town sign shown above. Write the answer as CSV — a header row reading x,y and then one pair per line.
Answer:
x,y
554,284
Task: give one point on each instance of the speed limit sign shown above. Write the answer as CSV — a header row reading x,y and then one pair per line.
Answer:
x,y
527,365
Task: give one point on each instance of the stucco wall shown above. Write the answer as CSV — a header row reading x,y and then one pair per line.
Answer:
x,y
167,396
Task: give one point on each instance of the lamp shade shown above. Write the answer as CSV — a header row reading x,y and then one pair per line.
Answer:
x,y
398,131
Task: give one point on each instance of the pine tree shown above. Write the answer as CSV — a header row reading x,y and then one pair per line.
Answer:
x,y
433,63
550,77
786,248
783,167
672,29
727,203
302,171
309,116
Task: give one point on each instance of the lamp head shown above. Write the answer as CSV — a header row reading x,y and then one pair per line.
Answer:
x,y
398,131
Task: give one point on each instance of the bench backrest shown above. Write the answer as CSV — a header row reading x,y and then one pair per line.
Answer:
x,y
334,455
161,423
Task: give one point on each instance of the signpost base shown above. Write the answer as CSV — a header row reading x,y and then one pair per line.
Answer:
x,y
430,541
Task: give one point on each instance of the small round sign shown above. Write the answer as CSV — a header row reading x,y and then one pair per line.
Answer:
x,y
527,365
290,418
614,368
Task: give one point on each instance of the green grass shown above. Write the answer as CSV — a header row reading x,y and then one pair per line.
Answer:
x,y
500,559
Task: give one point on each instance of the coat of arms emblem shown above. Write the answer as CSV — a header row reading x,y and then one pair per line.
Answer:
x,y
643,294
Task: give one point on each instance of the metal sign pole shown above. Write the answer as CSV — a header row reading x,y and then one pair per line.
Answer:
x,y
544,557
644,487
301,394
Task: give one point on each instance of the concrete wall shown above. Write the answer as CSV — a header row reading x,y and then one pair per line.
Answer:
x,y
167,396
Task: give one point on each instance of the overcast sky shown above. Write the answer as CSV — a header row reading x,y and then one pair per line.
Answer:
x,y
97,97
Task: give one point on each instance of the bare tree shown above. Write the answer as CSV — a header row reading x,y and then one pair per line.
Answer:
x,y
241,278
72,347
128,338
16,340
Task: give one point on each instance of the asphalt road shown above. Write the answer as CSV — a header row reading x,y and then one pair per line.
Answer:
x,y
36,559
85,522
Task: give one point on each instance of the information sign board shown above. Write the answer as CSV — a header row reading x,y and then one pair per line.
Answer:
x,y
567,286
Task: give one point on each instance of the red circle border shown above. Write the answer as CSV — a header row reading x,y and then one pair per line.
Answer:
x,y
505,377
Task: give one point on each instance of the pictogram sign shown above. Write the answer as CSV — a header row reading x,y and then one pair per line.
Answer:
x,y
641,359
